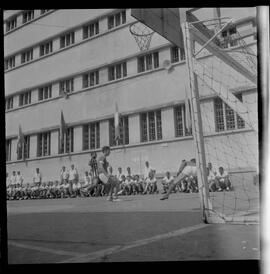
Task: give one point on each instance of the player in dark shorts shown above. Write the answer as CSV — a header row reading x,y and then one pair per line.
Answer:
x,y
105,177
96,183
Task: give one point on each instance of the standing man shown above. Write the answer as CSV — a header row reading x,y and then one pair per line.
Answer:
x,y
94,174
63,175
73,178
37,179
13,178
19,178
187,168
104,175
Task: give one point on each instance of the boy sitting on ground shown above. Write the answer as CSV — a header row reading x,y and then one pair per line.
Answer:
x,y
223,180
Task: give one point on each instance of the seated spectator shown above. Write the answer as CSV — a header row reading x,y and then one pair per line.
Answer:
x,y
138,184
127,185
63,175
86,185
57,189
151,184
223,180
66,190
166,181
122,185
192,185
77,189
28,191
211,178
42,190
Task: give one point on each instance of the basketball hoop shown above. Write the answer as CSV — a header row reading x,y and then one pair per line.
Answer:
x,y
142,34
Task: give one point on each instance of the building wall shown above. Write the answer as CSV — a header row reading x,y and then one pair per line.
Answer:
x,y
134,94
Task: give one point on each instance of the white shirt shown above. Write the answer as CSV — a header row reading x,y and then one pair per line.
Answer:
x,y
119,175
73,174
151,181
168,180
223,175
146,172
13,179
211,175
64,174
87,180
19,179
190,170
37,178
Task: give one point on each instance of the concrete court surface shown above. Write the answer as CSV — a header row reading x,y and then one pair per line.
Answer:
x,y
140,228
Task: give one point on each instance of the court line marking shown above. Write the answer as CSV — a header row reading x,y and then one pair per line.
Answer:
x,y
44,249
98,255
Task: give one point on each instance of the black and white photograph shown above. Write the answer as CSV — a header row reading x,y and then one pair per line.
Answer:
x,y
134,134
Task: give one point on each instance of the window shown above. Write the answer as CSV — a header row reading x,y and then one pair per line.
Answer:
x,y
43,144
24,151
27,16
10,62
8,150
91,30
66,146
91,136
117,19
225,117
27,56
148,62
46,48
43,11
9,103
228,38
180,121
177,54
66,86
117,71
123,130
90,79
25,98
11,24
67,39
151,128
45,92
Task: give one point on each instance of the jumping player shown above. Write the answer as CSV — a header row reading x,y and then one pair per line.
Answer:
x,y
105,177
187,168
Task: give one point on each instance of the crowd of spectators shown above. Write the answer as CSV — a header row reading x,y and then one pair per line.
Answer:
x,y
70,185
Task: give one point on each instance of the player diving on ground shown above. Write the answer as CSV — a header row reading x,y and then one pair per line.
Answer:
x,y
186,169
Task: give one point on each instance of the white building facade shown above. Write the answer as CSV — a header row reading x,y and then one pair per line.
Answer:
x,y
82,62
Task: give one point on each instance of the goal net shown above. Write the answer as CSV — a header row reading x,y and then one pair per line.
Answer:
x,y
225,73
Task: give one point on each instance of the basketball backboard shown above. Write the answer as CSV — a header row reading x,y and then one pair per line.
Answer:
x,y
165,21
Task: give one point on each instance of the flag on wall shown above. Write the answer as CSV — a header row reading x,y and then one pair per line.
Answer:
x,y
20,141
116,123
187,112
62,128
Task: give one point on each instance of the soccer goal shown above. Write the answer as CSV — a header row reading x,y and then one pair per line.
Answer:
x,y
222,75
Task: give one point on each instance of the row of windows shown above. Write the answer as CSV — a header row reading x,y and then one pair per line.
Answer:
x,y
27,16
67,39
90,79
150,129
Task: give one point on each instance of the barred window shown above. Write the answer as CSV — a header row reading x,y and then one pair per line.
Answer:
x,y
27,56
177,54
148,62
67,144
45,92
91,30
123,130
116,19
117,71
229,38
8,149
11,24
28,16
43,144
10,62
25,149
90,79
25,98
9,103
66,86
67,39
91,136
46,48
151,127
225,117
180,121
